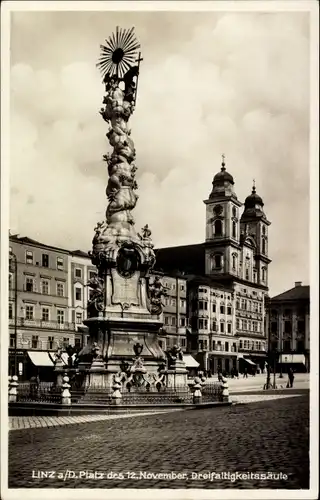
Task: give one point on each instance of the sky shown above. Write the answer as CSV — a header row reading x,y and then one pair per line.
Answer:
x,y
210,83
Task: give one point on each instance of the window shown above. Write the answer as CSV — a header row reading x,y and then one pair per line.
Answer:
x,y
29,284
247,273
218,228
237,323
263,246
203,324
237,304
245,344
182,288
173,302
234,261
222,309
35,340
229,327
287,345
234,229
182,321
77,343
287,327
226,346
205,344
222,327
78,293
229,311
255,326
60,316
244,324
243,304
45,260
214,326
241,344
255,276
213,308
10,310
173,286
183,342
182,303
260,308
65,341
12,340
217,261
263,274
29,257
50,342
45,287
166,320
45,314
173,320
301,326
249,305
10,281
92,274
29,313
166,301
78,272
255,306
200,345
300,346
203,305
60,289
79,318
59,263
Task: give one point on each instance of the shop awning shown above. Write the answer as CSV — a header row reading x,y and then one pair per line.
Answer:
x,y
40,358
190,361
293,358
249,361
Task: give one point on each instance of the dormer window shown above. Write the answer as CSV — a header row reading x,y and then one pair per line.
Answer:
x,y
217,261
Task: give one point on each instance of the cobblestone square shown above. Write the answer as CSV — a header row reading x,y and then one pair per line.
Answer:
x,y
271,436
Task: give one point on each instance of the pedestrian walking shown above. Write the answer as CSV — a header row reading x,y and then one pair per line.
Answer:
x,y
290,378
245,373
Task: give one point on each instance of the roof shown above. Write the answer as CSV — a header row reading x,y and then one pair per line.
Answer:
x,y
188,259
297,293
80,253
29,241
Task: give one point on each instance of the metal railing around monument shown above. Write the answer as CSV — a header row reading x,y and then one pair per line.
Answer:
x,y
42,392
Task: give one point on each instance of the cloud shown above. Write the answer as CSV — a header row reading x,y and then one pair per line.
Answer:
x,y
210,83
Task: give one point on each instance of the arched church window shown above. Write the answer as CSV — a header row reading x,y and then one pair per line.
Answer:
x,y
234,261
217,261
234,229
263,246
218,228
263,274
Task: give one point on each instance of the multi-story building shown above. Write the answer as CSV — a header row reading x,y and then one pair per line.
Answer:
x,y
80,270
174,314
40,290
227,279
290,327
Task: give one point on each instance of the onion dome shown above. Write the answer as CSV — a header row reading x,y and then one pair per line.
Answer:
x,y
253,205
222,183
253,199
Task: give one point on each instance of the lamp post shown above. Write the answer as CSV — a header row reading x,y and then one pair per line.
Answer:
x,y
13,260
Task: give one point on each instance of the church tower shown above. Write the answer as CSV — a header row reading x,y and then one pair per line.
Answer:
x,y
222,247
254,229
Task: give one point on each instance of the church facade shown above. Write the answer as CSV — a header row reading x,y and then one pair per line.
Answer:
x,y
227,278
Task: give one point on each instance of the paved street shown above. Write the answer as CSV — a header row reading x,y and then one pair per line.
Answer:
x,y
301,381
269,436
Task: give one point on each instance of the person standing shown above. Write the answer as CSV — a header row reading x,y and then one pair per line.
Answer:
x,y
290,377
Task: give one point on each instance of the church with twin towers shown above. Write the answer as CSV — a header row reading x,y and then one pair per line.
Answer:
x,y
227,280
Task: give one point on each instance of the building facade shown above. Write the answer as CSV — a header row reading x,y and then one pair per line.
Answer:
x,y
227,279
290,327
174,315
38,300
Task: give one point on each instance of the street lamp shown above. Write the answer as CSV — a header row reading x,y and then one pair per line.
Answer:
x,y
13,260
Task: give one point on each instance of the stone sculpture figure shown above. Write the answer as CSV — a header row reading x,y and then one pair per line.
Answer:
x,y
156,291
96,301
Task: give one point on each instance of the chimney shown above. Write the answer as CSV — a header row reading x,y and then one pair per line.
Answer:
x,y
298,283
